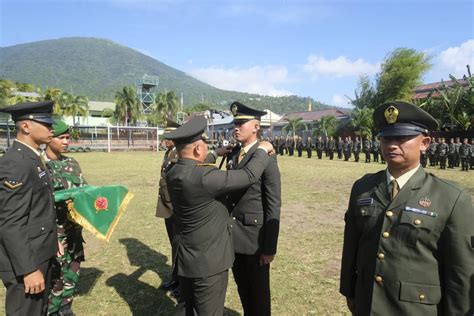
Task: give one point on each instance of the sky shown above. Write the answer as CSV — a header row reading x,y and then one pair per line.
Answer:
x,y
307,48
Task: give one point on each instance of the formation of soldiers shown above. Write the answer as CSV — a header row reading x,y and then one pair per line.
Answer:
x,y
455,154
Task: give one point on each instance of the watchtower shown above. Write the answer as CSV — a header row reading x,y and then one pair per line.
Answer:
x,y
146,92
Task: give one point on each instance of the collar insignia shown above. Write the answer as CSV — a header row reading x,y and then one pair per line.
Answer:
x,y
391,114
425,202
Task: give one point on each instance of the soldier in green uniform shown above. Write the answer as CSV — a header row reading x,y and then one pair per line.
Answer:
x,y
309,147
28,241
376,148
319,147
367,149
347,148
299,146
356,148
281,145
465,154
432,152
471,163
164,209
441,152
408,240
451,153
457,146
204,249
65,174
256,216
340,146
331,147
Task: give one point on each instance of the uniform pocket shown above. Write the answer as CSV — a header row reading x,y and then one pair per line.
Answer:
x,y
420,293
366,217
414,227
253,219
40,229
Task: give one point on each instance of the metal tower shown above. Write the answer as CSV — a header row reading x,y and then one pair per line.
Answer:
x,y
146,92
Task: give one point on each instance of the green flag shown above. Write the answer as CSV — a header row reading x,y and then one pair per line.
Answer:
x,y
97,209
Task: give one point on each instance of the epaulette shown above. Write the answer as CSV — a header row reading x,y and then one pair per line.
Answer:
x,y
206,165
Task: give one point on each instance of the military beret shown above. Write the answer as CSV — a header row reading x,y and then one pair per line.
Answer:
x,y
189,132
403,119
37,111
171,125
242,112
60,128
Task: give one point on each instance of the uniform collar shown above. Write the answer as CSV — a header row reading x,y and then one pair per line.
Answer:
x,y
403,179
35,151
247,148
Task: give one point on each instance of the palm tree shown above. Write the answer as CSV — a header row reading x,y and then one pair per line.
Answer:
x,y
294,124
362,121
326,125
74,106
167,105
54,94
128,108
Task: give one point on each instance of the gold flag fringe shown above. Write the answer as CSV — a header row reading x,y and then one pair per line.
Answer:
x,y
74,215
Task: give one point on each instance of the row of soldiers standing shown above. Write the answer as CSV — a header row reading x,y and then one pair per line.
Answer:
x,y
344,148
456,153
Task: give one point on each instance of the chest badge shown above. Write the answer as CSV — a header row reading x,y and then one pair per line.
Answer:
x,y
425,202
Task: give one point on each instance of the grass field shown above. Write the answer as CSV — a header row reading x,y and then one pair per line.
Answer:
x,y
122,277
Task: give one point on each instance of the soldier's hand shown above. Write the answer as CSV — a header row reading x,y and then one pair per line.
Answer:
x,y
224,150
351,304
268,147
60,251
266,259
34,282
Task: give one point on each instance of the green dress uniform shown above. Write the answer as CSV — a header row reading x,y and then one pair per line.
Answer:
x,y
256,222
66,174
203,241
28,239
411,254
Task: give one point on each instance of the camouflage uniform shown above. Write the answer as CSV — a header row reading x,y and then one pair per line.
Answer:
x,y
66,174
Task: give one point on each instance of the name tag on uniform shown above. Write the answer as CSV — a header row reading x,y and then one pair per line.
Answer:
x,y
423,212
42,174
367,201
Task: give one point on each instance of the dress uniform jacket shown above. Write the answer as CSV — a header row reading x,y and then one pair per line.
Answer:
x,y
256,210
203,225
27,217
413,255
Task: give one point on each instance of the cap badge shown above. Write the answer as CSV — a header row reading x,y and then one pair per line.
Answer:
x,y
31,117
391,114
425,202
234,108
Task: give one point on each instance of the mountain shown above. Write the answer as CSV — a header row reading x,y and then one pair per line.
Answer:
x,y
97,68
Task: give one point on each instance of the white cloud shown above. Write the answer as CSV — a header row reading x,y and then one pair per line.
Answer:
x,y
341,66
340,100
453,60
258,79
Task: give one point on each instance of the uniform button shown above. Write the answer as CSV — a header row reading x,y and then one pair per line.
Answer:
x,y
417,221
46,183
233,204
230,225
381,256
389,213
254,220
233,218
378,279
42,228
386,234
422,297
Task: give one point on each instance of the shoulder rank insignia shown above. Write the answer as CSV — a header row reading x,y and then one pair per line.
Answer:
x,y
391,114
205,165
425,202
12,184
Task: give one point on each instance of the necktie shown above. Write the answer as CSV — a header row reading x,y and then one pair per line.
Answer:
x,y
241,155
43,162
395,189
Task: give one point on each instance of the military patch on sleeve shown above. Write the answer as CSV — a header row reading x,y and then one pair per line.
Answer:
x,y
368,201
12,184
